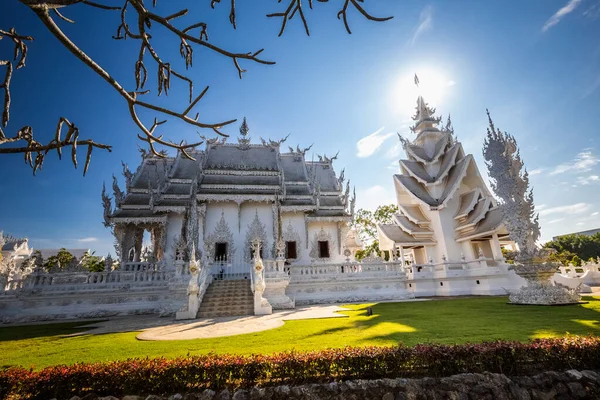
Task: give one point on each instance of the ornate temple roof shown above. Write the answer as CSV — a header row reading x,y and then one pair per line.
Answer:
x,y
435,171
238,172
395,234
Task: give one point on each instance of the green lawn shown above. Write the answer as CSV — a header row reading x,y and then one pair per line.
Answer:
x,y
439,321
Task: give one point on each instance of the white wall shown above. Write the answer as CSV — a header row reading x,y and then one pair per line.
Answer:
x,y
174,224
239,224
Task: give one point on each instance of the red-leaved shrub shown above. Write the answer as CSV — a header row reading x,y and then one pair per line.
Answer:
x,y
194,373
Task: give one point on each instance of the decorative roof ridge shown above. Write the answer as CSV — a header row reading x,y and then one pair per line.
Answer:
x,y
473,203
417,241
409,148
403,208
474,219
494,227
464,165
410,192
454,149
425,230
409,167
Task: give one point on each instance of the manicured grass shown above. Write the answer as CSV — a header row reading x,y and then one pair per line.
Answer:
x,y
438,321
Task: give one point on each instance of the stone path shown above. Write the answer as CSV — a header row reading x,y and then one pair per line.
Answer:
x,y
156,328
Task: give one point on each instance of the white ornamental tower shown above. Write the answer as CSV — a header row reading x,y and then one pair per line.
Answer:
x,y
446,212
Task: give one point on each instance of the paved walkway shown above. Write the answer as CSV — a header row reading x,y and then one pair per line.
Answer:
x,y
156,328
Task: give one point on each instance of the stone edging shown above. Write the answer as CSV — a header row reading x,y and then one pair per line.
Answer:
x,y
571,384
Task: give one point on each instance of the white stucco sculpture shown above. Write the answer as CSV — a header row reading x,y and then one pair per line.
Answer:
x,y
511,185
261,305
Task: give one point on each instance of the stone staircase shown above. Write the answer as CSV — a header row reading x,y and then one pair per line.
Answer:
x,y
227,298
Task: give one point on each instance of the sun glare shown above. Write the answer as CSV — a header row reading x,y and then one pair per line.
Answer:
x,y
433,86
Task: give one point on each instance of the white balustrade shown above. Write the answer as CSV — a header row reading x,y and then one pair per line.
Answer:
x,y
346,269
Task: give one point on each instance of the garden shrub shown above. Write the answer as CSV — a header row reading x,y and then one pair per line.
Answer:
x,y
195,373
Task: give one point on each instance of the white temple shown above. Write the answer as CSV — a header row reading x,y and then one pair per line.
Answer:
x,y
229,195
446,212
245,228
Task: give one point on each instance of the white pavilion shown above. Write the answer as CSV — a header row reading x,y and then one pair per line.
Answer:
x,y
446,212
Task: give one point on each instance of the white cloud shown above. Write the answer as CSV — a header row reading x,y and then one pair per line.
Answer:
x,y
566,9
540,207
580,223
577,208
87,239
536,171
425,23
556,220
371,198
368,145
586,180
594,214
584,161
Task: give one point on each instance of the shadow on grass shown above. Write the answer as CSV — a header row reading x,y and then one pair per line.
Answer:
x,y
464,320
61,329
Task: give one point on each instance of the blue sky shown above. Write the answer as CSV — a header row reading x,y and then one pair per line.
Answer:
x,y
535,64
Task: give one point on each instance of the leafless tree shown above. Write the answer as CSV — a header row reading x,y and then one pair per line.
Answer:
x,y
136,22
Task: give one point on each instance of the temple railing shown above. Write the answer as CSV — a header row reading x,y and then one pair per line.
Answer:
x,y
138,266
481,265
346,269
577,272
66,281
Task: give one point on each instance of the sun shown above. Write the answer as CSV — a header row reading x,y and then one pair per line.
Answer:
x,y
433,86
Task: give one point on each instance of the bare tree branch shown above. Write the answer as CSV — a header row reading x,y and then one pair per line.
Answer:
x,y
295,6
187,37
71,139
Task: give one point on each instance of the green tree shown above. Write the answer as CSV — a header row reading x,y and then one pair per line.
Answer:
x,y
61,260
365,222
92,262
563,257
576,261
585,247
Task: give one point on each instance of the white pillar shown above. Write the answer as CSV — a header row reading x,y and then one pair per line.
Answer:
x,y
496,248
402,256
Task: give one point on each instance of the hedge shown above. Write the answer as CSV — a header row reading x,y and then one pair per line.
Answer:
x,y
195,373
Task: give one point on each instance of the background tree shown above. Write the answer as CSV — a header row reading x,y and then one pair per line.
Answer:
x,y
92,262
60,261
365,222
137,21
568,246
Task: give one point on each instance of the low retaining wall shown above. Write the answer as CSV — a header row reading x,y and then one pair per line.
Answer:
x,y
46,306
548,385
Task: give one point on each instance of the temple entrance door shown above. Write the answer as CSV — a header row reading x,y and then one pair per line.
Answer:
x,y
227,269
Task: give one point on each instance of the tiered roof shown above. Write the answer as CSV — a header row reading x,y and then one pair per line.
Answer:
x,y
234,172
435,172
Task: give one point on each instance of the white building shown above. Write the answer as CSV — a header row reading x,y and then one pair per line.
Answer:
x,y
446,212
227,196
445,241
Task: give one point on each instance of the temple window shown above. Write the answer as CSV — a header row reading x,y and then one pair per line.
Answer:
x,y
221,251
131,255
290,250
323,249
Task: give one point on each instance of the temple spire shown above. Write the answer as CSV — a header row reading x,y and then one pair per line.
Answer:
x,y
244,139
424,117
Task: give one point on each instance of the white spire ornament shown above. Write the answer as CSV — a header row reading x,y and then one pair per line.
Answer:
x,y
511,185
